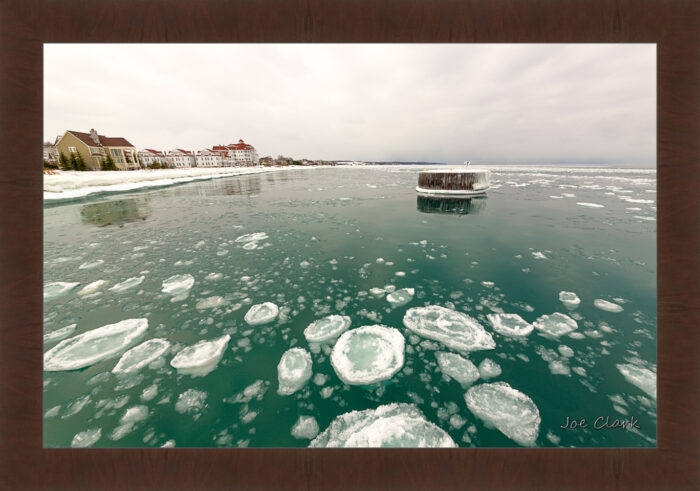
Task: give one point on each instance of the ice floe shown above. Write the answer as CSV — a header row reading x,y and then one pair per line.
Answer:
x,y
86,438
210,303
607,306
93,346
178,286
126,284
142,355
91,265
569,299
306,427
192,401
590,205
642,377
92,287
201,358
392,425
368,354
513,413
327,329
57,289
511,325
59,334
254,237
556,324
457,367
539,255
454,329
401,297
489,369
261,313
293,370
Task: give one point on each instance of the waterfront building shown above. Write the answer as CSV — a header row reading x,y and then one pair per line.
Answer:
x,y
94,147
237,154
181,158
209,158
50,153
149,156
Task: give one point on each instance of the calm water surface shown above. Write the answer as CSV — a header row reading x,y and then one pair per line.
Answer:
x,y
512,252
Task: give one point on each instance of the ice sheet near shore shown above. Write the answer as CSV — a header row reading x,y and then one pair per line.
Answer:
x,y
453,329
509,410
68,185
392,425
93,346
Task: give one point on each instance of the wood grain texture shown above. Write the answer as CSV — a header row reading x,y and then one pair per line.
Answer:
x,y
26,24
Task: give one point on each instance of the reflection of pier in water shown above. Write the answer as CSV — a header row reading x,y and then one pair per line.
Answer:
x,y
116,212
453,206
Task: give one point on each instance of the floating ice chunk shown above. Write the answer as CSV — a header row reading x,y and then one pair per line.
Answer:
x,y
401,297
261,313
255,237
607,306
213,276
509,410
93,346
569,299
643,378
201,358
86,438
377,292
92,287
368,354
511,325
400,273
134,415
559,367
539,255
168,444
327,329
577,335
306,427
454,329
192,401
487,284
556,324
293,370
59,334
634,200
379,260
389,288
91,265
149,392
57,289
126,284
590,205
305,264
457,367
392,425
565,351
210,303
142,355
489,369
178,285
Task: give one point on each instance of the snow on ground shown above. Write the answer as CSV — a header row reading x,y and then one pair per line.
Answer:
x,y
74,185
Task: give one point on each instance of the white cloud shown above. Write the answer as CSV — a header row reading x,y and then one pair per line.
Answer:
x,y
437,102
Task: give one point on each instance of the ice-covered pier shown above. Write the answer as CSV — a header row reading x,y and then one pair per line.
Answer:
x,y
454,182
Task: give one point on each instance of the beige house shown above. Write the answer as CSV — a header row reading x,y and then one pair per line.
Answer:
x,y
93,148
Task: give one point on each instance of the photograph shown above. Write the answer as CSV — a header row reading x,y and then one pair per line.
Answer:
x,y
349,245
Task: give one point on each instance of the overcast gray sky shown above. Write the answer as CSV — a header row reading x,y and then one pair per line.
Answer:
x,y
448,103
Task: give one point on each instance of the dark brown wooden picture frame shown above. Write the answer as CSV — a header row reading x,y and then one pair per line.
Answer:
x,y
26,24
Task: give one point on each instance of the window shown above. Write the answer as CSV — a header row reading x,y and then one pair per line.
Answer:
x,y
115,152
72,150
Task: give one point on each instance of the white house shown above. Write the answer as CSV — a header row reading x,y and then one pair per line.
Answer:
x,y
182,158
149,156
209,158
238,154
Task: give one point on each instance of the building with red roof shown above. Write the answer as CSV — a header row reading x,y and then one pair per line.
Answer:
x,y
93,148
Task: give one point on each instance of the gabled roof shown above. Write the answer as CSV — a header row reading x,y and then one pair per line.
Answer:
x,y
154,152
105,141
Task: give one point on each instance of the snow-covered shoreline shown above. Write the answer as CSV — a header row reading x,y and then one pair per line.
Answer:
x,y
72,185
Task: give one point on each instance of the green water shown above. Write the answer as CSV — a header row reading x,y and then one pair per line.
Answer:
x,y
326,229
